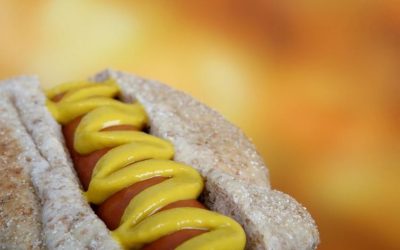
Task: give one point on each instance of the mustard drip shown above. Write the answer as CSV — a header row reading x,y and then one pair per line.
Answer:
x,y
138,156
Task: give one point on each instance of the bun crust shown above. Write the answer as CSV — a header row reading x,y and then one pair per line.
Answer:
x,y
20,209
68,222
237,182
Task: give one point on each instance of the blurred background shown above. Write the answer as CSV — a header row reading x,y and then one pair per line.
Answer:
x,y
315,84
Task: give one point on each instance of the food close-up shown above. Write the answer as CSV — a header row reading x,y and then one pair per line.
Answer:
x,y
121,162
280,119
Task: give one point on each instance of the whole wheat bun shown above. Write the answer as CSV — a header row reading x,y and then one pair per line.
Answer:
x,y
66,219
237,182
20,218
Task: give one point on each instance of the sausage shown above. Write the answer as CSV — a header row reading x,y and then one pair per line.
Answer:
x,y
112,209
58,97
173,240
84,164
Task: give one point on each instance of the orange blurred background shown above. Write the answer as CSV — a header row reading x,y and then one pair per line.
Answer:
x,y
315,84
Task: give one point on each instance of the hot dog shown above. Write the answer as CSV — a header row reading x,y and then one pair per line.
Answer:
x,y
235,177
154,180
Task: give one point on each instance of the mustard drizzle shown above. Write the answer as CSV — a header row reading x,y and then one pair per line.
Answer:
x,y
138,156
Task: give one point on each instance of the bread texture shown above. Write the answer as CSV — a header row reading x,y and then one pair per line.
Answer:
x,y
20,209
237,180
67,220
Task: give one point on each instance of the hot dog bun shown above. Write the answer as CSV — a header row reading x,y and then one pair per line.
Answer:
x,y
236,178
20,218
67,221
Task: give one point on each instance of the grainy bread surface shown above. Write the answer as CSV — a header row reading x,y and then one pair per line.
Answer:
x,y
272,219
20,218
237,182
67,219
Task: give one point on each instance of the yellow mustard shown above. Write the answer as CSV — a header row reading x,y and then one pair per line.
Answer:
x,y
137,156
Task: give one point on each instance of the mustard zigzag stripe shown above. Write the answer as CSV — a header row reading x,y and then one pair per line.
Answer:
x,y
138,156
